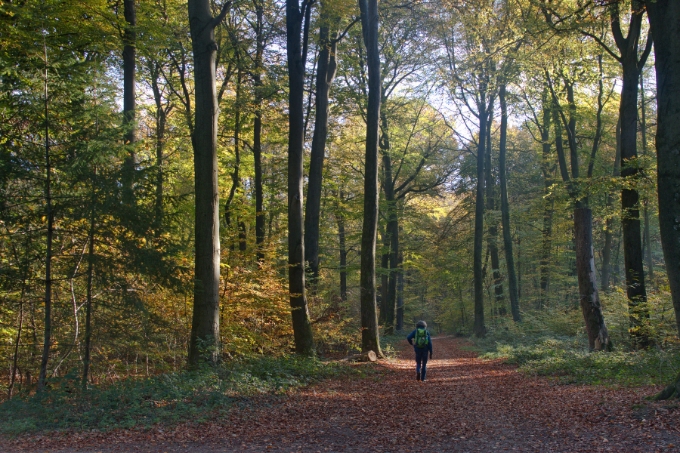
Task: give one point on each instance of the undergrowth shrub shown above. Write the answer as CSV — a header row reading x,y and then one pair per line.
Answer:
x,y
166,398
553,343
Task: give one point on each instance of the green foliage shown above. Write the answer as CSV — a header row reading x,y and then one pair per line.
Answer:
x,y
552,343
167,398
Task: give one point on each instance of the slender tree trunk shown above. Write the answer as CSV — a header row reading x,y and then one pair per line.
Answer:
x,y
646,233
88,302
49,213
549,202
235,175
129,72
302,328
383,295
505,209
609,222
392,230
324,78
240,224
257,133
598,337
369,320
15,356
479,329
242,236
492,232
340,218
631,64
664,19
630,213
205,327
260,229
161,120
400,294
589,299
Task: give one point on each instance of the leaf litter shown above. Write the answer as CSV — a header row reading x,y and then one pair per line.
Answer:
x,y
466,405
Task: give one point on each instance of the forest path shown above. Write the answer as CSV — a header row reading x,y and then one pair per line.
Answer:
x,y
466,405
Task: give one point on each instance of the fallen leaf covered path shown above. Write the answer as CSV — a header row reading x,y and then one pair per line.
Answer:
x,y
467,405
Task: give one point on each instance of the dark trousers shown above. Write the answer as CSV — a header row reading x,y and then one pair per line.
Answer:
x,y
421,361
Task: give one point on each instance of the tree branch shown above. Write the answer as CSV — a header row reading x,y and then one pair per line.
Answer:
x,y
220,17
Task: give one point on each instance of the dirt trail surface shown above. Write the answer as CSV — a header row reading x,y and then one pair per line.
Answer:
x,y
467,405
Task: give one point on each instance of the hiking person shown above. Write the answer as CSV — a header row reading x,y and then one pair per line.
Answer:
x,y
422,343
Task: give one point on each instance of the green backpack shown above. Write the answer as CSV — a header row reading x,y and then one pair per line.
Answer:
x,y
421,338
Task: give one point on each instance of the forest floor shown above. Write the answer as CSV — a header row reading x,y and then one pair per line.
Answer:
x,y
466,405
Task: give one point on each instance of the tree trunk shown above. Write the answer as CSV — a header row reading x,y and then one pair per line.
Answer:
x,y
400,294
129,70
235,175
49,213
260,223
340,218
260,228
664,19
479,329
505,209
492,232
88,302
369,320
607,249
548,169
324,78
242,236
672,391
383,295
392,229
646,233
204,341
15,356
598,337
302,328
161,120
631,65
609,223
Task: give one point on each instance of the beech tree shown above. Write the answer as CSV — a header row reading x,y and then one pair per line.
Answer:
x,y
632,61
296,50
598,335
470,69
369,316
663,20
325,74
205,333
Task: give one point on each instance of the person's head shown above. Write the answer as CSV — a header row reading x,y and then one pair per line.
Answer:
x,y
421,324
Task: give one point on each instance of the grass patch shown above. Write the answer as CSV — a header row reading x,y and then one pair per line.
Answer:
x,y
553,344
568,363
167,398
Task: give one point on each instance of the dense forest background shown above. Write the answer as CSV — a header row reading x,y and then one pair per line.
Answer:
x,y
514,137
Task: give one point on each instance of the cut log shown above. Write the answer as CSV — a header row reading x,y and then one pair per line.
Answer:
x,y
369,356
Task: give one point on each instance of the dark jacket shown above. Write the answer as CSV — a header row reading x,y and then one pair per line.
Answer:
x,y
412,335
